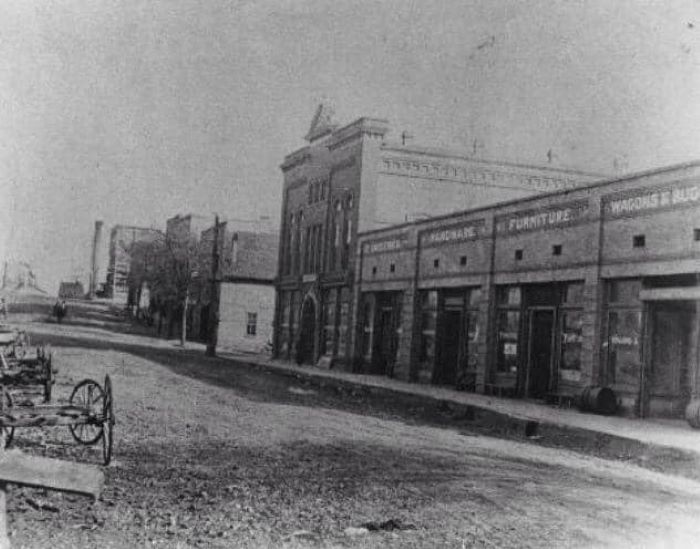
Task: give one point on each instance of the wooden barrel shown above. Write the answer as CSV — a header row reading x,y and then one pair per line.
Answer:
x,y
692,413
599,400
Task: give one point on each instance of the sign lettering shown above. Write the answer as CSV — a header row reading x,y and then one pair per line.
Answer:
x,y
652,200
534,220
450,234
386,245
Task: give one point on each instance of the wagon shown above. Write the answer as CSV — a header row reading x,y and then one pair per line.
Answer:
x,y
28,376
89,415
13,342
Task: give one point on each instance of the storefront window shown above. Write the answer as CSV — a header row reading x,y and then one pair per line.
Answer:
x,y
429,304
508,328
624,329
624,323
571,340
509,295
343,321
367,325
329,307
294,314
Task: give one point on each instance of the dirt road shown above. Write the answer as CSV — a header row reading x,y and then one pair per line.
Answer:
x,y
210,454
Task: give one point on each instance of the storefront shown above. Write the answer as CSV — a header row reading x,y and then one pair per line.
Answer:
x,y
549,298
449,327
538,334
381,328
651,341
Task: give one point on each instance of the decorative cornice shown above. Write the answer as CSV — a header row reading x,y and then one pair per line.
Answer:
x,y
477,175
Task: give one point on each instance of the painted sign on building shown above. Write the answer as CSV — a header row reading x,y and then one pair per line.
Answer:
x,y
642,200
545,218
386,245
455,233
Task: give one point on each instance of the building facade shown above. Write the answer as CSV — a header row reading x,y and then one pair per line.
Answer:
x,y
348,180
542,297
122,241
246,300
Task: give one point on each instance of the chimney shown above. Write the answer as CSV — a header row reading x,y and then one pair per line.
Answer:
x,y
94,259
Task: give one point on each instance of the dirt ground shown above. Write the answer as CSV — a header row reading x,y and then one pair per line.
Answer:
x,y
213,454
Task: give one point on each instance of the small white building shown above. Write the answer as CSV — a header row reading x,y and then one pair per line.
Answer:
x,y
248,264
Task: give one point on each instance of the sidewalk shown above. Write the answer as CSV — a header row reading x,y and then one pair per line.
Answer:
x,y
674,434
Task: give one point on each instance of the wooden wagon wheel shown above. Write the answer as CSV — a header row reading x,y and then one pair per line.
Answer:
x,y
48,379
89,396
108,425
6,404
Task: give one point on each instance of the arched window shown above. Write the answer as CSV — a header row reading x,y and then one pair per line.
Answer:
x,y
299,244
347,230
289,245
335,235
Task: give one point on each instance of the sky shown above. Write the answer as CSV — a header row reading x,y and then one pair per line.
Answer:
x,y
133,111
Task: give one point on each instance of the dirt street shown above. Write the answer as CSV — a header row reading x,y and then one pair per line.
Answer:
x,y
211,454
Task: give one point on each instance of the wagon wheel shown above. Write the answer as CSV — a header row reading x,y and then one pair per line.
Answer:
x,y
48,379
5,404
89,397
108,425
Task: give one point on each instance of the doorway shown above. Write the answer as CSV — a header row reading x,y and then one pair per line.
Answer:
x,y
386,333
450,342
541,331
306,346
666,383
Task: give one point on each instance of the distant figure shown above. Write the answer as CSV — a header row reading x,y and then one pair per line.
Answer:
x,y
59,310
3,309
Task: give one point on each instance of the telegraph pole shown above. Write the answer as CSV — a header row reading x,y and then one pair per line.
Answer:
x,y
214,291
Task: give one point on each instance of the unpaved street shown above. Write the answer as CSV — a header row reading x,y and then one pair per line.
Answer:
x,y
211,454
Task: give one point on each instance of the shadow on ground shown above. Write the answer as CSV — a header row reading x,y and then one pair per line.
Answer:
x,y
262,384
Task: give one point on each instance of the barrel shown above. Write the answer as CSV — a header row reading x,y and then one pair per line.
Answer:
x,y
599,400
692,414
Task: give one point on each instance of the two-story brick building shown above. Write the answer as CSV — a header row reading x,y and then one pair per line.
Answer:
x,y
349,179
544,296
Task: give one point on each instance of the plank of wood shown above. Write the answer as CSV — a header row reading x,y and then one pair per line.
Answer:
x,y
54,474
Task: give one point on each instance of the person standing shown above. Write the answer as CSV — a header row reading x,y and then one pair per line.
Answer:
x,y
3,309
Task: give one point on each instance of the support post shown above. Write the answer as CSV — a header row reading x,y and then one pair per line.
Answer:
x,y
214,291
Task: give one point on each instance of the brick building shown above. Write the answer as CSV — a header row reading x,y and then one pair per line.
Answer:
x,y
122,242
349,179
543,296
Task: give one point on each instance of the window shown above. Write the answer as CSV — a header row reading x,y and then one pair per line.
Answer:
x,y
251,326
463,260
330,303
624,328
299,243
518,255
347,231
571,339
696,235
556,249
392,268
429,306
436,263
509,299
638,241
374,271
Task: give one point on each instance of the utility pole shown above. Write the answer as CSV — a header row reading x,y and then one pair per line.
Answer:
x,y
214,290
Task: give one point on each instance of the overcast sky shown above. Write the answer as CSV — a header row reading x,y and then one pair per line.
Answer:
x,y
134,111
